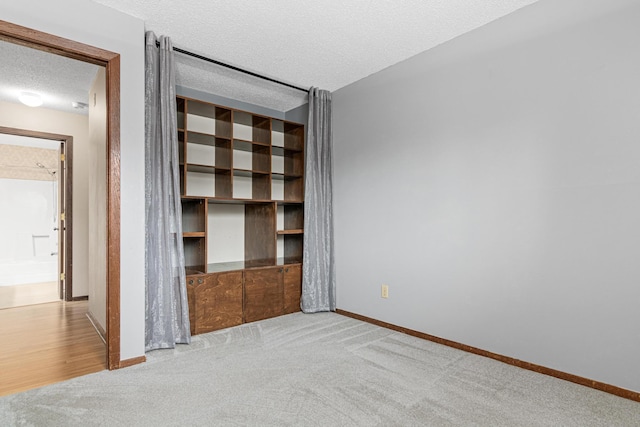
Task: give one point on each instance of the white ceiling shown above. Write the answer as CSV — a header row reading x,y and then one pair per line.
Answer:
x,y
58,80
328,44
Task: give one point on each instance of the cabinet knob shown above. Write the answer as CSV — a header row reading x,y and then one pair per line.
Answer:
x,y
286,270
191,281
281,270
200,281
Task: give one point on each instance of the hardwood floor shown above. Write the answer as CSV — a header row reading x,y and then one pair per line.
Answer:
x,y
27,294
47,343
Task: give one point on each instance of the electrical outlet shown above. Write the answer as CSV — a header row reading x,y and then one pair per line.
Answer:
x,y
385,291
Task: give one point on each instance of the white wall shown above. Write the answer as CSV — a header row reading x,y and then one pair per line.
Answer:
x,y
98,199
493,183
99,26
44,120
27,236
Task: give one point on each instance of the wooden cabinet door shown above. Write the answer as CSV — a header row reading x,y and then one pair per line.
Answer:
x,y
215,301
191,298
292,288
263,295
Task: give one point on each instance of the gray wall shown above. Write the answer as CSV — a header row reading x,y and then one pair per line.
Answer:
x,y
494,184
228,102
299,114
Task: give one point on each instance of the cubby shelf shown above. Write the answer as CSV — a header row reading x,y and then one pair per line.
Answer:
x,y
296,231
282,151
193,234
248,144
250,173
242,188
192,167
283,176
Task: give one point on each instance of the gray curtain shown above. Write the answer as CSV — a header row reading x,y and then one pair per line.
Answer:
x,y
318,267
167,310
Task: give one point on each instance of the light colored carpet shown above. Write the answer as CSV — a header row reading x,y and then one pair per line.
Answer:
x,y
316,370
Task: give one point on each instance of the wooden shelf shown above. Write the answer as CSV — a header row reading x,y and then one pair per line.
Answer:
x,y
242,144
180,105
193,218
206,139
298,203
219,267
249,173
193,234
282,151
285,177
288,261
207,118
237,201
297,231
192,167
242,188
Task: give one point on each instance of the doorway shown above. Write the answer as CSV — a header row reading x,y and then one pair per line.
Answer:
x,y
111,63
36,243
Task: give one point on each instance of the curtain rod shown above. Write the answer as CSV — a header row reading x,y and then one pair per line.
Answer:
x,y
233,67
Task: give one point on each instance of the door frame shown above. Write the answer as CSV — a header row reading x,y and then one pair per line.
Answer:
x,y
65,223
111,61
65,226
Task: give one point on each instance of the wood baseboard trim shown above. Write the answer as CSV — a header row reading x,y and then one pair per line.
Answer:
x,y
607,388
99,329
130,362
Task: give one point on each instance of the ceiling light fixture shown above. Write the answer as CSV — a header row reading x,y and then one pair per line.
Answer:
x,y
30,99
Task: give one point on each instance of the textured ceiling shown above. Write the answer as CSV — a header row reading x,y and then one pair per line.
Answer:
x,y
328,44
58,80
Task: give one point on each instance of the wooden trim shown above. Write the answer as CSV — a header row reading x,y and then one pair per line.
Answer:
x,y
96,325
65,177
130,362
68,219
62,206
53,44
607,388
34,134
111,61
113,212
